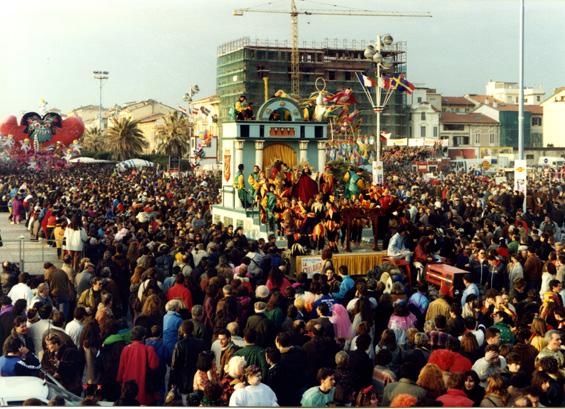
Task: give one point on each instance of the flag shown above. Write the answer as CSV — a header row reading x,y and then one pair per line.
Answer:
x,y
386,134
182,109
365,81
402,84
204,110
368,81
387,83
194,110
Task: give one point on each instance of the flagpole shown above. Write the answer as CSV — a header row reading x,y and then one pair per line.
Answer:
x,y
378,101
521,97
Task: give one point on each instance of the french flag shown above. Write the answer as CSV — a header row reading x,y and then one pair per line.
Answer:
x,y
368,81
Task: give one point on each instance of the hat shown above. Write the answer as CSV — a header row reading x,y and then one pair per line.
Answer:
x,y
260,307
262,291
437,205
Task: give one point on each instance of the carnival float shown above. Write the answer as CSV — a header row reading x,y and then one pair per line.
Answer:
x,y
40,141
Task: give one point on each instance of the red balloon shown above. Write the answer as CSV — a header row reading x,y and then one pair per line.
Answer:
x,y
10,127
72,129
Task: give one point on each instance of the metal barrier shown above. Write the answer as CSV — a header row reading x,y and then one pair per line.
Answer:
x,y
24,251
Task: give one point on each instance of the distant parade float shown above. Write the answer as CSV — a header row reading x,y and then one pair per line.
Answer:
x,y
40,141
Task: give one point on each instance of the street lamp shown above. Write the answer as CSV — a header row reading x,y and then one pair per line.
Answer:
x,y
374,54
100,76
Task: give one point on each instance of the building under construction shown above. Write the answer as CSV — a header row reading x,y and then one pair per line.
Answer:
x,y
242,64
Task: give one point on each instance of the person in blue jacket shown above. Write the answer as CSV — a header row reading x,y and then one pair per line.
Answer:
x,y
347,284
18,360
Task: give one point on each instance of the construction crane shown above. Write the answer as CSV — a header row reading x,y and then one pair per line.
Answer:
x,y
294,13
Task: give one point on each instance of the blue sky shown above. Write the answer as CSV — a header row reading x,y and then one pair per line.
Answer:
x,y
156,49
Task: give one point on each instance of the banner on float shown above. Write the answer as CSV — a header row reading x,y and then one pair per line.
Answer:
x,y
520,176
311,265
378,172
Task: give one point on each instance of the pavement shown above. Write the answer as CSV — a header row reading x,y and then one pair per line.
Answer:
x,y
17,247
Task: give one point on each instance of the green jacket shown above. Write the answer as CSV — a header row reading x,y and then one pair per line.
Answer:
x,y
254,355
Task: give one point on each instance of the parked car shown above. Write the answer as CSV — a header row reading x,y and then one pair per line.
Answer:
x,y
14,390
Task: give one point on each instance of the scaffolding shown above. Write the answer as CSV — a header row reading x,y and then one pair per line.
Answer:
x,y
336,60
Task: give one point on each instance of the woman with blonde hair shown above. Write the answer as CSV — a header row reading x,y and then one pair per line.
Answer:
x,y
496,394
538,329
431,379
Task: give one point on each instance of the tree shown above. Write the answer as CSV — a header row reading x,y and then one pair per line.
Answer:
x,y
173,137
93,140
125,139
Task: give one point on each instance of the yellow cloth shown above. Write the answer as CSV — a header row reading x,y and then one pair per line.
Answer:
x,y
240,182
438,307
538,342
59,234
278,151
357,263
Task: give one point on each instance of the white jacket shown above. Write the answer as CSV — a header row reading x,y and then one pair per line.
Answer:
x,y
74,239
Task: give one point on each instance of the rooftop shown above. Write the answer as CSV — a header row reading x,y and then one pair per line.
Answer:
x,y
483,99
533,109
456,101
470,118
327,43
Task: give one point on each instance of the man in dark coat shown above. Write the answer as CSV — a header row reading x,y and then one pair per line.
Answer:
x,y
320,352
532,270
360,362
183,365
293,367
262,326
19,331
66,361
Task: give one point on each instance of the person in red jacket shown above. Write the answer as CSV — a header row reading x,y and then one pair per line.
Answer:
x,y
135,360
455,396
180,291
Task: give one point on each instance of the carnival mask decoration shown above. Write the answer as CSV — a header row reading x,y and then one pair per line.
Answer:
x,y
43,130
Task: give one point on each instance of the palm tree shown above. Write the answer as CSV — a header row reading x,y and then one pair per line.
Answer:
x,y
173,137
125,139
93,140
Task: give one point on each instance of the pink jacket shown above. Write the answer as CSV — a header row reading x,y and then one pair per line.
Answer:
x,y
455,398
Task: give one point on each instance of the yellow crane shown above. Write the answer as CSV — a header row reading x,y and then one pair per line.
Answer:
x,y
294,13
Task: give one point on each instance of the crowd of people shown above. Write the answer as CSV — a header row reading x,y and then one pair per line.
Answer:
x,y
154,302
399,156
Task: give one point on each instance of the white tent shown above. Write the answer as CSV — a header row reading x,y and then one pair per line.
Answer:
x,y
134,163
86,159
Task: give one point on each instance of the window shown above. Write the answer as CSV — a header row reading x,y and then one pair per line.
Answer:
x,y
538,98
423,132
423,116
530,157
536,121
419,99
331,75
453,127
347,75
491,139
477,139
435,131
